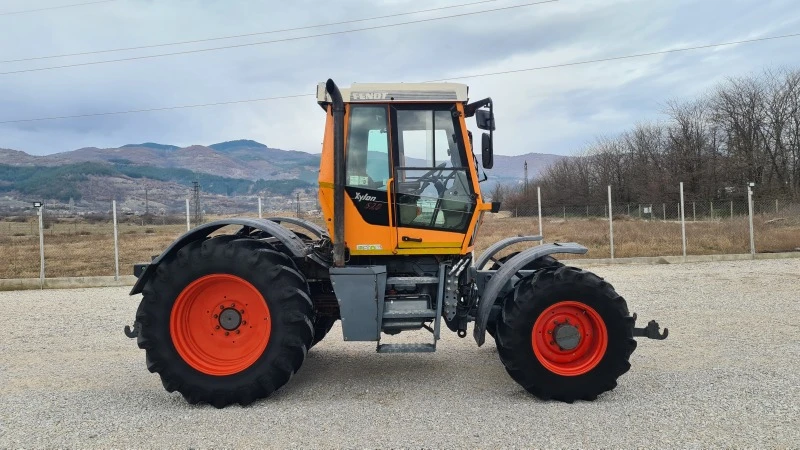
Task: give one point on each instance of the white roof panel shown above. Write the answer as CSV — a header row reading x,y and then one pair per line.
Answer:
x,y
398,92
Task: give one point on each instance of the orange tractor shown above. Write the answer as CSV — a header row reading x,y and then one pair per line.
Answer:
x,y
229,318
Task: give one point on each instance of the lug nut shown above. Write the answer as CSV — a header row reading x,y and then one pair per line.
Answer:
x,y
216,327
237,331
226,333
551,342
232,305
215,316
242,311
221,307
244,322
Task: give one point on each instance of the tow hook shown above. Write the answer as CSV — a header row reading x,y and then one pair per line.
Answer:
x,y
132,333
651,331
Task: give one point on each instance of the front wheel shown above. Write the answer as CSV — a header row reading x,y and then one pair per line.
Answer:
x,y
565,335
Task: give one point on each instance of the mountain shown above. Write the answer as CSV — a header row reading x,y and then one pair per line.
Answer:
x,y
231,168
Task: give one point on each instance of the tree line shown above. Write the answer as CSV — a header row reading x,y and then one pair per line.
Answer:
x,y
745,129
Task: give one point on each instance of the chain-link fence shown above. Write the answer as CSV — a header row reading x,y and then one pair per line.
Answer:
x,y
83,244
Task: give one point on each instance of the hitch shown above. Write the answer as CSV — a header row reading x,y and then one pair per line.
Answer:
x,y
651,331
132,333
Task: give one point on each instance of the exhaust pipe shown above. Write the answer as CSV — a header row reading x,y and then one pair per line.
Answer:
x,y
337,108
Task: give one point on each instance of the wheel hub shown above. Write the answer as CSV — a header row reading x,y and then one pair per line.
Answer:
x,y
567,336
230,319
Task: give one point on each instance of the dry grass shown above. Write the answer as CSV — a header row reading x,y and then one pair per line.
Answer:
x,y
82,249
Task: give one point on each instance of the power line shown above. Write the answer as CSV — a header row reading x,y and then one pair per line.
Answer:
x,y
54,7
530,69
616,58
297,38
235,36
166,108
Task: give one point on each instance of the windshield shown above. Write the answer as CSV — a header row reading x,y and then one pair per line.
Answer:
x,y
433,182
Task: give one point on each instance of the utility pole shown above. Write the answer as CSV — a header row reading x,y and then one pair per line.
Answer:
x,y
146,203
297,204
526,177
196,198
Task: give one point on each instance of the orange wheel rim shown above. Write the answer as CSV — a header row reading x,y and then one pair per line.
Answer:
x,y
569,338
220,324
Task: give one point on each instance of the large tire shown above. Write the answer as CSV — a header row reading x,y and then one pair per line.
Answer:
x,y
322,325
190,346
537,264
594,348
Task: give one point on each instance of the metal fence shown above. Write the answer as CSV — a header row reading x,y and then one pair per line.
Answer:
x,y
691,227
100,244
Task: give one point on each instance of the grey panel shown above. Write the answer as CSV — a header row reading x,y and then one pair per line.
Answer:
x,y
359,292
499,245
501,277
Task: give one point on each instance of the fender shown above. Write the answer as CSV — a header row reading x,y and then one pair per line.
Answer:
x,y
506,273
292,242
315,229
493,249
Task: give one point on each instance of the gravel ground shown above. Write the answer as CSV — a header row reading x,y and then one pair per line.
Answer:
x,y
728,376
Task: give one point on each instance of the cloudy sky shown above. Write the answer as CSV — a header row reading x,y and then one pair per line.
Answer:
x,y
548,111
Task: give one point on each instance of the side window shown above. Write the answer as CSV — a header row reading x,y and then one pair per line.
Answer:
x,y
368,147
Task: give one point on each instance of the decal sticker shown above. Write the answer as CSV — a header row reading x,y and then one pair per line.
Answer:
x,y
369,247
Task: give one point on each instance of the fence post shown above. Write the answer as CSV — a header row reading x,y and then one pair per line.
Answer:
x,y
539,201
712,210
610,223
750,210
629,209
116,240
664,210
565,213
731,209
776,206
41,246
694,213
640,210
587,210
188,223
683,224
259,208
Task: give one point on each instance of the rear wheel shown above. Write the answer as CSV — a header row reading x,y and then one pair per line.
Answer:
x,y
565,334
227,320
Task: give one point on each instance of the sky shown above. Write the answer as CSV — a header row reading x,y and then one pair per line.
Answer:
x,y
558,110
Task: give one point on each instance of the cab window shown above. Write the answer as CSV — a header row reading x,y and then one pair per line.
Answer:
x,y
368,147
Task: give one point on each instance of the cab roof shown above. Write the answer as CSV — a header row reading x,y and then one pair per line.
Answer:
x,y
397,92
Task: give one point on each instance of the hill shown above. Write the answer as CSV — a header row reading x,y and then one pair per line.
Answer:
x,y
232,168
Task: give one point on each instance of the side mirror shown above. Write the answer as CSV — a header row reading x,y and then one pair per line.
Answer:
x,y
487,152
485,119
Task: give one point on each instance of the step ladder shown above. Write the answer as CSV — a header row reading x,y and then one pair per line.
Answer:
x,y
416,314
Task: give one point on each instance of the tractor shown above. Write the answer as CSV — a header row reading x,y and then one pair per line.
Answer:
x,y
229,317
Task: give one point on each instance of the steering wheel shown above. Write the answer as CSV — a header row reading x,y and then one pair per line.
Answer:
x,y
428,177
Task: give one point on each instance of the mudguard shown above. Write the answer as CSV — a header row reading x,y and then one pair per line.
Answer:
x,y
506,273
493,249
315,229
293,243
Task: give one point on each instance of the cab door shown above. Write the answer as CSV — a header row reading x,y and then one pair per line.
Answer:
x,y
368,211
433,197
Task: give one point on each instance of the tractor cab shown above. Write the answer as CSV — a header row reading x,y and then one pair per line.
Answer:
x,y
411,180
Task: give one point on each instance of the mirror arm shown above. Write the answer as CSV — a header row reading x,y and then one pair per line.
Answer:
x,y
469,110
